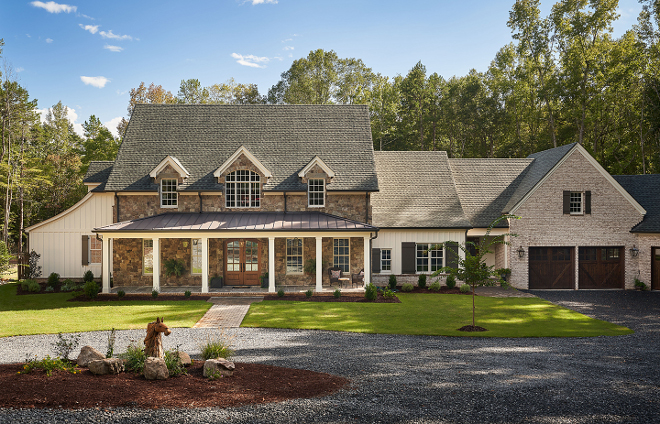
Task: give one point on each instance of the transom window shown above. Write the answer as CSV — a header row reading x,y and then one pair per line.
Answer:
x,y
316,192
168,194
341,254
294,256
428,260
196,256
243,189
575,205
385,259
147,256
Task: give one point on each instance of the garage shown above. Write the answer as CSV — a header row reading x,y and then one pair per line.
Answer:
x,y
551,268
601,268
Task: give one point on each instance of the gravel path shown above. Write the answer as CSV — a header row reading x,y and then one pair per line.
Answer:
x,y
403,379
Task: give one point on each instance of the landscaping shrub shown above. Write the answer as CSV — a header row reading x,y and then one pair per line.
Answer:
x,y
388,294
25,284
421,281
33,286
111,344
34,270
187,294
309,293
465,288
435,286
88,276
451,281
216,347
370,292
49,289
121,294
407,287
48,364
174,267
53,280
640,284
280,293
91,289
154,293
392,282
65,345
68,285
173,362
337,294
134,357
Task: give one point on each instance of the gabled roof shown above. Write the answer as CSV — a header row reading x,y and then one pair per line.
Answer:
x,y
174,163
237,154
284,138
416,191
484,186
645,189
316,161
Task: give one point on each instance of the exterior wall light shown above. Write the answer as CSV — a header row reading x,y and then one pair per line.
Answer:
x,y
521,252
634,251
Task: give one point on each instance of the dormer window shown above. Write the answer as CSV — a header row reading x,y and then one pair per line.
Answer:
x,y
316,193
243,189
168,195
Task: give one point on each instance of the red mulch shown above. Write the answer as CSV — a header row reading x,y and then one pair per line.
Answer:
x,y
471,328
109,297
250,384
331,298
443,290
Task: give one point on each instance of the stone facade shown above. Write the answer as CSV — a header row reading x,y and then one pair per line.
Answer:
x,y
543,223
127,264
180,250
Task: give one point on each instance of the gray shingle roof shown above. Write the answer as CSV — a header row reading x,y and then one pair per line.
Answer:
x,y
284,138
543,162
646,190
485,186
98,171
416,191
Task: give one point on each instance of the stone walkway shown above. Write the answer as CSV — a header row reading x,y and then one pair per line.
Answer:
x,y
226,312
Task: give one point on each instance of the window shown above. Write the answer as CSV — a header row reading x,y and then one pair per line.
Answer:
x,y
147,256
341,254
168,194
243,189
196,256
386,259
576,203
294,256
428,260
316,193
95,250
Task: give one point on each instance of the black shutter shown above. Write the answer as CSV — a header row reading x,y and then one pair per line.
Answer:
x,y
375,260
85,250
587,202
408,258
567,202
451,250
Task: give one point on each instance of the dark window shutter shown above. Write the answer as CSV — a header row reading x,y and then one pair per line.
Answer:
x,y
375,260
85,250
587,202
567,202
408,258
451,251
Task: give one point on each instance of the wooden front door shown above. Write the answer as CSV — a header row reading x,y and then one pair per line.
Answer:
x,y
242,258
551,268
601,268
655,269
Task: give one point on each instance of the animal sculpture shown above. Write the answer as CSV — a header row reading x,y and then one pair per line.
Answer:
x,y
153,343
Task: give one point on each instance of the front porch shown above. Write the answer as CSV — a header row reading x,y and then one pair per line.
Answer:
x,y
234,290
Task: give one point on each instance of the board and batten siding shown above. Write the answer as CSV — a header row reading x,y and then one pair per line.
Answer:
x,y
59,239
392,239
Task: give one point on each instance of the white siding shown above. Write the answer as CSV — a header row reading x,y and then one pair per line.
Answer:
x,y
392,239
59,240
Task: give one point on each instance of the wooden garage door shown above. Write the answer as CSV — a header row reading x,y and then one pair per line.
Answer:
x,y
551,268
601,268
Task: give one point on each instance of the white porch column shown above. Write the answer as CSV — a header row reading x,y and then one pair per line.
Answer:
x,y
105,267
205,264
367,260
156,262
271,264
319,264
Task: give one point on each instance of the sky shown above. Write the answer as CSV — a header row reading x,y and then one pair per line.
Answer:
x,y
89,53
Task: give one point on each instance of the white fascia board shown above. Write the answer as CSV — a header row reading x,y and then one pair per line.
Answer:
x,y
174,163
242,151
230,234
316,161
481,232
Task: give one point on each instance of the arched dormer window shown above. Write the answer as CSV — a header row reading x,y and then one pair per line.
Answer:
x,y
243,189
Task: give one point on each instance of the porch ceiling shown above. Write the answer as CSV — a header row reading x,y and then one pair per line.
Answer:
x,y
238,221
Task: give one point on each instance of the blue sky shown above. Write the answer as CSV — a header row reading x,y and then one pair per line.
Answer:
x,y
89,54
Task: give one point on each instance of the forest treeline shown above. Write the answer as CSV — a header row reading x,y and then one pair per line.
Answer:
x,y
562,79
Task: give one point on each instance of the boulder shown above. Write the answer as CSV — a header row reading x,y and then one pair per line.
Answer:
x,y
185,359
155,369
218,367
87,355
106,366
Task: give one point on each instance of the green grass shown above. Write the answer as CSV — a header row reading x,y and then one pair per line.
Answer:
x,y
51,313
433,315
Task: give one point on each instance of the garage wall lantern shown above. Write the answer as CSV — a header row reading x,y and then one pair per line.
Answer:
x,y
634,251
521,252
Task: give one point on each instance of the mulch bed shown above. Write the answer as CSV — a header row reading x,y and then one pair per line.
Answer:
x,y
331,298
110,297
443,290
250,384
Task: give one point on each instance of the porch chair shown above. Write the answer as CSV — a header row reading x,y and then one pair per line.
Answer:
x,y
335,274
357,279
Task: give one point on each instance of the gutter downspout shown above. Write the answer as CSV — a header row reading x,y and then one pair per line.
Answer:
x,y
366,209
285,202
199,194
371,249
117,205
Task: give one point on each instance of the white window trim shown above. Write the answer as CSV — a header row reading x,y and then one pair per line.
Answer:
x,y
428,257
192,257
348,245
143,257
302,257
581,212
250,182
176,186
387,271
309,193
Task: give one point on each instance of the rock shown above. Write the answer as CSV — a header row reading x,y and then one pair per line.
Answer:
x,y
155,369
106,366
185,359
218,367
87,355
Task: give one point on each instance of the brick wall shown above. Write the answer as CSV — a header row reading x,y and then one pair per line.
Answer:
x,y
645,243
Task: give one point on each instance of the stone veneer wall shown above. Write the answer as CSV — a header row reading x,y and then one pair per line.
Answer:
x,y
351,206
281,276
542,222
127,264
181,250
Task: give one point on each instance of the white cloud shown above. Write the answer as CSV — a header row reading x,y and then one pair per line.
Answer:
x,y
49,40
115,49
20,69
99,82
71,115
287,40
91,28
263,1
250,60
53,7
113,36
287,48
112,125
85,16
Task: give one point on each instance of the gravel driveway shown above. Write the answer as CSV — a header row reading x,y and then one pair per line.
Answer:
x,y
402,379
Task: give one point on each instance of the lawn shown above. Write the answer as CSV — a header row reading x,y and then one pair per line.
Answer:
x,y
433,315
51,313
